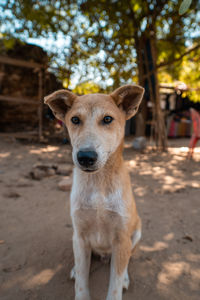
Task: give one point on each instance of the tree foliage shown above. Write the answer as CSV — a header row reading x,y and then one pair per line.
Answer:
x,y
106,43
100,39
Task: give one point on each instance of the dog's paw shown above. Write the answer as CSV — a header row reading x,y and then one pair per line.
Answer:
x,y
73,273
126,281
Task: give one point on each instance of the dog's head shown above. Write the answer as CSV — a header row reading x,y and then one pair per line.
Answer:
x,y
95,122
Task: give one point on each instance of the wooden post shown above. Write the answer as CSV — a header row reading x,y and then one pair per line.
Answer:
x,y
161,136
142,113
151,93
149,64
40,106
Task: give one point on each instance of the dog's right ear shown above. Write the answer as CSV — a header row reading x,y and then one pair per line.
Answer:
x,y
60,102
128,98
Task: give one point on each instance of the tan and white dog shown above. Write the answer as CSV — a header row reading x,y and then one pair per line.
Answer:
x,y
103,210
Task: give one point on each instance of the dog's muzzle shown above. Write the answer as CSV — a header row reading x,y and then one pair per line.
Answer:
x,y
87,159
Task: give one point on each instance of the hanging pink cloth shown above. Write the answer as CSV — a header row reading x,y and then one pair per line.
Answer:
x,y
195,122
196,127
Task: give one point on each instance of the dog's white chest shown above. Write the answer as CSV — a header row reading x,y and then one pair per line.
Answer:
x,y
96,200
89,196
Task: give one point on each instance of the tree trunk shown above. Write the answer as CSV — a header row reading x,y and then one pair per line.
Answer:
x,y
142,114
147,73
160,127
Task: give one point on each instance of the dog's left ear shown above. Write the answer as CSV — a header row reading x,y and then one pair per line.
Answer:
x,y
60,102
128,98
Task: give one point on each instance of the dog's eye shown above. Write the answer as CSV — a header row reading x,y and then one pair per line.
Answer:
x,y
107,120
75,120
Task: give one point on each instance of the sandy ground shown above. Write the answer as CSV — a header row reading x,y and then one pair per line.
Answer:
x,y
36,234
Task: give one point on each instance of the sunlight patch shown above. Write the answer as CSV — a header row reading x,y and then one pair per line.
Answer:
x,y
169,236
172,271
44,150
42,278
132,163
4,155
158,246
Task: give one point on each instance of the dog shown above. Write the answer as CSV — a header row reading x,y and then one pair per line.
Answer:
x,y
103,210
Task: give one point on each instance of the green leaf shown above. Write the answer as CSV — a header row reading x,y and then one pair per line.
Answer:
x,y
185,5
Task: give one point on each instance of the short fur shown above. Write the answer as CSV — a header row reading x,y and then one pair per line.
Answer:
x,y
103,210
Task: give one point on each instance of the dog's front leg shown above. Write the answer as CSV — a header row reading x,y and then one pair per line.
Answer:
x,y
82,257
118,272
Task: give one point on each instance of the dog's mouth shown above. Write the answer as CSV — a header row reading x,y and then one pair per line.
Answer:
x,y
89,170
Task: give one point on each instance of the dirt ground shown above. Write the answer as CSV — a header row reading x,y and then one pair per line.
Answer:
x,y
36,232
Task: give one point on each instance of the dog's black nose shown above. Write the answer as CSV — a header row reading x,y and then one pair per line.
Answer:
x,y
87,158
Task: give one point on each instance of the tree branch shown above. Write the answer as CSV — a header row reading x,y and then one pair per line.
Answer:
x,y
178,58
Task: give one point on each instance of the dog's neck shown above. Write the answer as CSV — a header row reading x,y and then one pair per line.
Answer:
x,y
115,161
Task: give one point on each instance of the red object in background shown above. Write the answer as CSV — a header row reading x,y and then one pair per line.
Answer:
x,y
195,122
196,129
